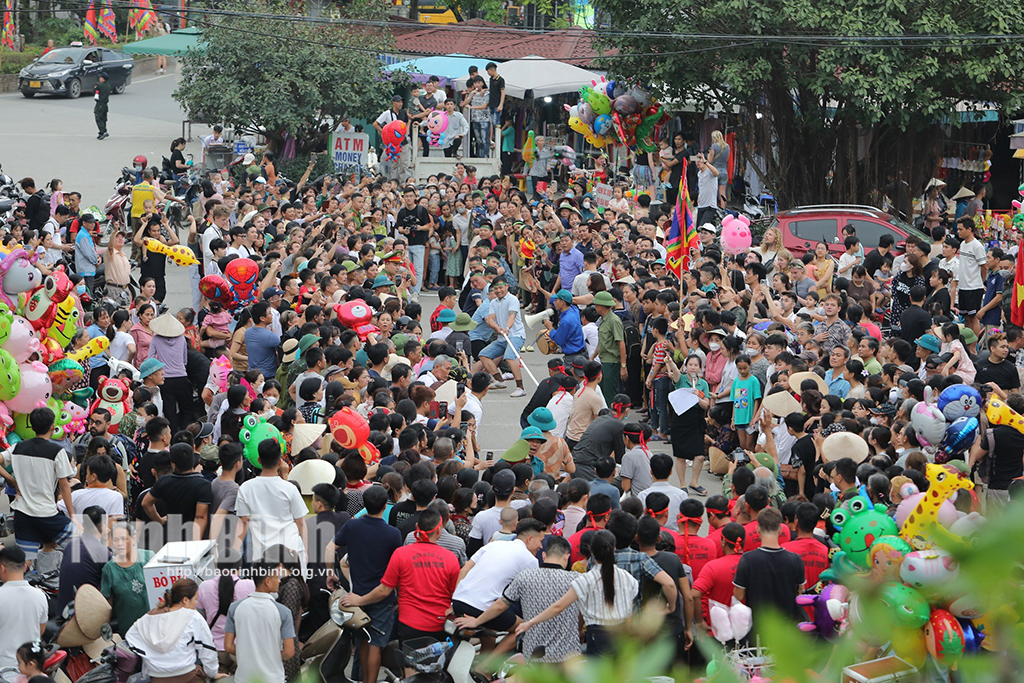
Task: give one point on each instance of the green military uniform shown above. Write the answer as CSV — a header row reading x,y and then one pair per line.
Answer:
x,y
609,334
102,97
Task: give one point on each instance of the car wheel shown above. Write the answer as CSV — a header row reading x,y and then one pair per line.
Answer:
x,y
119,90
29,95
74,89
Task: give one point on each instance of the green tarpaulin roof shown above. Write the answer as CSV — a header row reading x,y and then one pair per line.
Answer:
x,y
175,43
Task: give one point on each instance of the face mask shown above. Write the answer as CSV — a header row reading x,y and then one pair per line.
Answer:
x,y
462,209
259,387
570,194
586,204
714,346
876,420
751,352
905,266
1006,273
271,400
80,289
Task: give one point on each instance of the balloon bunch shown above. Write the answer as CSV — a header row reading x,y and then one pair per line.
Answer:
x,y
607,113
236,288
392,136
437,127
949,427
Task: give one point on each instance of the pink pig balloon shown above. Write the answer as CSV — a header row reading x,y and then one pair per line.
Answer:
x,y
22,342
736,235
36,388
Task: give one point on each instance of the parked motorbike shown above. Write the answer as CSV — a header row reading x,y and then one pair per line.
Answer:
x,y
117,664
119,207
326,653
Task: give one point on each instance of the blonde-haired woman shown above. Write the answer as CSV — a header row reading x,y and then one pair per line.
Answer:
x,y
719,158
771,243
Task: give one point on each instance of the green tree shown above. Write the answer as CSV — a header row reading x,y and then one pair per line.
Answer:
x,y
833,119
281,77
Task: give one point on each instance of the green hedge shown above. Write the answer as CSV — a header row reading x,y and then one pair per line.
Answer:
x,y
13,62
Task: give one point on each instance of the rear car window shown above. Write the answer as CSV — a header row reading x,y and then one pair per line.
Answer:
x,y
815,229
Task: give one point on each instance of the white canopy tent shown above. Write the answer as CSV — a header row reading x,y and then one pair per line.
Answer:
x,y
539,77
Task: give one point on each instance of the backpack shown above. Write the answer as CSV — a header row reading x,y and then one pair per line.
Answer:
x,y
631,335
44,207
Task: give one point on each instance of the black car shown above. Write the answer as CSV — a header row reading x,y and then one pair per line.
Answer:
x,y
71,71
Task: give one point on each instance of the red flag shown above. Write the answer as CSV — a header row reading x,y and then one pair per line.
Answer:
x,y
1017,308
107,26
682,234
8,29
90,23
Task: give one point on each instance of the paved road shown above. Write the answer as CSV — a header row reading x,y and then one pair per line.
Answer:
x,y
48,137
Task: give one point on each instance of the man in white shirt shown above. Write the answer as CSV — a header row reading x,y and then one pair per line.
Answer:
x,y
973,271
216,138
493,567
707,190
259,631
23,609
99,490
273,507
220,218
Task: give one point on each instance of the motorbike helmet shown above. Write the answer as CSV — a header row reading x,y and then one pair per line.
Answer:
x,y
140,162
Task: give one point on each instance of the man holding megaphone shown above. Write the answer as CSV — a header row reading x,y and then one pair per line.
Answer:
x,y
569,333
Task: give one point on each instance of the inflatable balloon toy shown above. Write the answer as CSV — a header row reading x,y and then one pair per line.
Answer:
x,y
6,323
18,274
929,424
907,606
929,570
79,417
36,388
912,497
114,396
997,412
93,347
885,557
599,102
62,330
255,430
351,430
960,435
959,400
41,303
944,637
625,105
586,113
215,288
437,124
393,135
974,636
529,148
241,275
356,315
922,528
64,374
603,125
10,376
859,523
641,96
575,123
830,609
179,253
21,340
736,237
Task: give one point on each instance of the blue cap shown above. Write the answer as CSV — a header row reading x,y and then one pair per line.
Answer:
x,y
532,434
446,315
149,366
930,342
563,294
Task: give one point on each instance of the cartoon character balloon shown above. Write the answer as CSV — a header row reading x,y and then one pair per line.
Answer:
x,y
35,391
829,608
21,341
736,237
959,400
907,606
944,637
93,347
392,135
960,435
859,524
437,124
18,273
929,424
215,288
885,557
255,430
178,253
64,374
929,570
998,413
40,306
241,275
6,322
115,397
10,376
356,316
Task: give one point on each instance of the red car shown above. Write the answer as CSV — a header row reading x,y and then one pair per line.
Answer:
x,y
803,227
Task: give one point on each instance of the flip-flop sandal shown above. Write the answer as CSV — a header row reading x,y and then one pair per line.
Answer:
x,y
699,490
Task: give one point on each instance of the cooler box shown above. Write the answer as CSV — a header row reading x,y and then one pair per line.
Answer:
x,y
179,560
884,670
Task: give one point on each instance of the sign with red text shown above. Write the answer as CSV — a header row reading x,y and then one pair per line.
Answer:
x,y
349,150
602,194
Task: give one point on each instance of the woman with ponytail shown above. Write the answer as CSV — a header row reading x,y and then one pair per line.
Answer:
x,y
715,579
173,637
605,594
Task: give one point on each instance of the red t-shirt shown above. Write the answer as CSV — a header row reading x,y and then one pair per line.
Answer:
x,y
701,551
434,324
424,574
574,542
715,538
715,582
752,541
814,554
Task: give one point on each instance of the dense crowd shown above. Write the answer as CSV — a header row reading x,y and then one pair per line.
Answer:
x,y
799,375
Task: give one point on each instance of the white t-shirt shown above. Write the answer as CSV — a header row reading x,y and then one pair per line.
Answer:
x,y
590,338
847,260
22,611
272,505
495,565
972,258
261,625
486,523
119,347
472,406
110,500
38,464
560,406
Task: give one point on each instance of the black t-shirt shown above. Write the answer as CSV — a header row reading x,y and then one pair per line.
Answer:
x,y
408,525
914,321
677,170
1003,374
413,220
772,578
497,85
641,159
602,438
82,564
672,566
400,512
181,493
939,302
1005,463
176,156
873,261
145,468
803,453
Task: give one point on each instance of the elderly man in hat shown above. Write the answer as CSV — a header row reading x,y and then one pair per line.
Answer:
x,y
170,348
611,346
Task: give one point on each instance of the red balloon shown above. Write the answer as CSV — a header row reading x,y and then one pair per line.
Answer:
x,y
241,275
349,428
215,288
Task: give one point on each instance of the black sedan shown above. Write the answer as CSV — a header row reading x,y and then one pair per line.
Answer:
x,y
71,71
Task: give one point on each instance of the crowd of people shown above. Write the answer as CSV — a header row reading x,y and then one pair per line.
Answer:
x,y
577,521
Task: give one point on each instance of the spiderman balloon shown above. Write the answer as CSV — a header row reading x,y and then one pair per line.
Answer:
x,y
356,316
241,275
215,288
393,135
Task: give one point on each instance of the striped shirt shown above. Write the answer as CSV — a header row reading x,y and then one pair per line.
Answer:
x,y
590,591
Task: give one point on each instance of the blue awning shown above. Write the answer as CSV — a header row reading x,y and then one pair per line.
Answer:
x,y
445,67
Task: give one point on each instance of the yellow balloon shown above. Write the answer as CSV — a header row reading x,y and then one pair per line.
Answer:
x,y
909,645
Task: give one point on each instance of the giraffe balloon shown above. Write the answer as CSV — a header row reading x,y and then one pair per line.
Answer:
x,y
922,528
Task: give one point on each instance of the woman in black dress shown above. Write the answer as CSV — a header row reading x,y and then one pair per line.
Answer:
x,y
688,430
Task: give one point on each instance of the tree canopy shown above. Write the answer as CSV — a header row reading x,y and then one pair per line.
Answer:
x,y
281,77
839,94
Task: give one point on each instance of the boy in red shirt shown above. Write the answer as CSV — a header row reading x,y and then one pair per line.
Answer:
x,y
599,507
717,508
756,499
811,550
425,575
715,580
693,549
447,298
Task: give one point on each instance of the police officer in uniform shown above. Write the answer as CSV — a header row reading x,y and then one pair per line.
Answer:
x,y
102,96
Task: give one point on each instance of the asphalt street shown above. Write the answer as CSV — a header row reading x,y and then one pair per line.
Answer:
x,y
52,137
